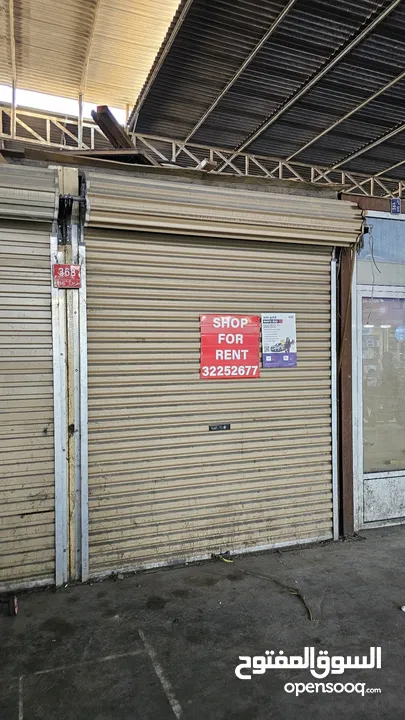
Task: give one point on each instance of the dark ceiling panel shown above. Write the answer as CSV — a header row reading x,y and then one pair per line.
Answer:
x,y
215,39
218,35
366,69
380,158
213,42
314,113
311,33
376,119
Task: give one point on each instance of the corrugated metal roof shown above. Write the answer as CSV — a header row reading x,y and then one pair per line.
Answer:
x,y
217,37
104,47
367,67
374,120
208,50
210,46
381,157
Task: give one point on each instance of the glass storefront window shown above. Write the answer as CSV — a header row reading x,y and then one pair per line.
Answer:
x,y
383,358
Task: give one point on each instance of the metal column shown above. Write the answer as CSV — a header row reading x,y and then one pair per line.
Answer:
x,y
13,111
60,418
333,351
70,391
80,123
84,524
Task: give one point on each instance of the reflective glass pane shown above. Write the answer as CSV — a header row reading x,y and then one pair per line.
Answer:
x,y
381,260
384,241
383,356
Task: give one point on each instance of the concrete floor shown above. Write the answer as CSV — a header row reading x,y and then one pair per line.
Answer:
x,y
161,645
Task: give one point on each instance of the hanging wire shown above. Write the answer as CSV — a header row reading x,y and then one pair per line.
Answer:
x,y
373,265
370,227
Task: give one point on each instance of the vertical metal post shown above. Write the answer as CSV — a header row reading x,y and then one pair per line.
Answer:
x,y
60,418
74,419
13,111
80,123
346,269
70,382
357,372
333,350
84,521
13,66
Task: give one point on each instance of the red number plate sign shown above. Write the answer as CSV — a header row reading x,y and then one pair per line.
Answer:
x,y
229,347
66,276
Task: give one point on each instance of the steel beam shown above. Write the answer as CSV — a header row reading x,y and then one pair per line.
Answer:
x,y
11,17
133,119
270,167
111,128
392,167
165,150
80,123
26,119
375,178
317,77
86,63
13,117
363,104
370,146
13,62
244,65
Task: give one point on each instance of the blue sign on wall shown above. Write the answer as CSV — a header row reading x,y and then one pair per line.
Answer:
x,y
395,206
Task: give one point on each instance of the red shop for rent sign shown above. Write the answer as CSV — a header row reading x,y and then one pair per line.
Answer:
x,y
229,347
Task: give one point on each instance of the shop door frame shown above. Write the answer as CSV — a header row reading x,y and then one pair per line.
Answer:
x,y
360,292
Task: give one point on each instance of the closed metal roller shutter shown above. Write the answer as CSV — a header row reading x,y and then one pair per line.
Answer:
x,y
200,208
26,408
161,486
28,193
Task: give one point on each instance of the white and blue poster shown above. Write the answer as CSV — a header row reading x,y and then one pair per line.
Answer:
x,y
279,340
